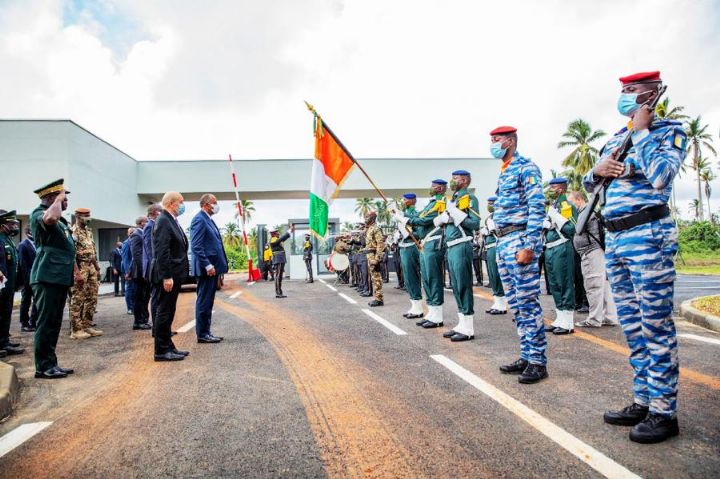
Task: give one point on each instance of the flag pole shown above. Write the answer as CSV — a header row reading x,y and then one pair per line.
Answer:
x,y
241,219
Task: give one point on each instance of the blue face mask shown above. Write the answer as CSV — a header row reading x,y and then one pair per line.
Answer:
x,y
181,209
627,103
497,151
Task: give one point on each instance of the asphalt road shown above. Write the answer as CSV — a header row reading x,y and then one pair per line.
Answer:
x,y
313,386
689,286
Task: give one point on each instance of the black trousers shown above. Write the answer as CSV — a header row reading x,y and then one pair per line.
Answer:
x,y
477,266
308,265
142,299
154,294
580,294
6,306
50,300
363,279
162,323
279,272
119,283
28,309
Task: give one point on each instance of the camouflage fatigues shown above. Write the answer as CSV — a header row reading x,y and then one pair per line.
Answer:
x,y
83,297
375,246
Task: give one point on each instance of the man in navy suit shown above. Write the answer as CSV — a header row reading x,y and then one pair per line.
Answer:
x,y
116,263
125,261
153,212
209,265
142,287
27,253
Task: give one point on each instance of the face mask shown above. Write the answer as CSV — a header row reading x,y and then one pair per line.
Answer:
x,y
497,151
454,185
432,192
87,221
216,208
181,209
627,103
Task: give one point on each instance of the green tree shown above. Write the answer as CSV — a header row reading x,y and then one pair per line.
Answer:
x,y
383,213
248,208
695,207
363,206
698,138
707,176
347,226
580,135
232,235
664,111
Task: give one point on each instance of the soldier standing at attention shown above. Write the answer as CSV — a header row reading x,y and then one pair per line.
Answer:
x,y
307,257
519,213
375,248
462,221
559,227
278,258
488,232
9,267
410,256
641,243
432,255
83,294
51,276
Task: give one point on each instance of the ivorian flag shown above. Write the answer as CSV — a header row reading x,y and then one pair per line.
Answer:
x,y
329,170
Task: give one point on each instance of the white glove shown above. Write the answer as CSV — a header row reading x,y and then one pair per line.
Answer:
x,y
556,217
491,226
398,215
484,231
441,219
546,224
457,215
403,232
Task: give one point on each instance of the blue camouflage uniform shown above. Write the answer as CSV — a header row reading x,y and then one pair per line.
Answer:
x,y
520,201
640,264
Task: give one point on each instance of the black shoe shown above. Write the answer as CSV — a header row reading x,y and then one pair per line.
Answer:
x,y
279,296
365,295
92,325
414,316
3,353
51,373
137,326
219,338
516,367
375,303
14,344
628,416
654,428
398,287
208,340
494,311
173,333
421,322
548,329
561,331
533,373
449,334
11,350
27,329
312,281
169,356
180,353
65,370
432,325
457,337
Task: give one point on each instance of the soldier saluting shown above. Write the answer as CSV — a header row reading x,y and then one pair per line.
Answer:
x,y
641,242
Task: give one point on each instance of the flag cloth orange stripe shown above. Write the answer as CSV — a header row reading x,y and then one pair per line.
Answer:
x,y
335,161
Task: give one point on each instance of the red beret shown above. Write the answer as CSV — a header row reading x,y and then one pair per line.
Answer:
x,y
644,77
503,130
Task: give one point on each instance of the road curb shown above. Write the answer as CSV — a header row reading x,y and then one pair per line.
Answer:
x,y
9,387
698,317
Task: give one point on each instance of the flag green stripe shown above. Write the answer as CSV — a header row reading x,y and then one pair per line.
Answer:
x,y
318,215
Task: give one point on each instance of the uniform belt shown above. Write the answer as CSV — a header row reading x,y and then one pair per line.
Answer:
x,y
500,232
406,245
85,260
491,245
646,215
454,242
431,238
555,243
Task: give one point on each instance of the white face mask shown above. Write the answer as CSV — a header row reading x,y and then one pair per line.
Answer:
x,y
215,208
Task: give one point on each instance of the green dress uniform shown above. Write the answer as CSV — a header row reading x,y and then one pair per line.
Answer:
x,y
410,264
464,221
50,279
9,269
560,259
432,256
499,305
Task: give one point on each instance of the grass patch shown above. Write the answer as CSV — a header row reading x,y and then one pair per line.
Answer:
x,y
698,263
711,305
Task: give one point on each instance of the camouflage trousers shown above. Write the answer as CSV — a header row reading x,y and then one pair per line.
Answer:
x,y
83,298
376,280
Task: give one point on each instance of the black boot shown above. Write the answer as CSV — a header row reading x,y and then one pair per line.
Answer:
x,y
532,374
514,368
654,428
374,303
628,416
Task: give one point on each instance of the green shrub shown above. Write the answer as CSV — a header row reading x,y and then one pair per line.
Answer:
x,y
237,259
699,237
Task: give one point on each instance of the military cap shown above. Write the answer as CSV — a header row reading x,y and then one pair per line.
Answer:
x,y
8,216
560,180
492,198
53,187
461,173
409,196
273,232
82,211
503,130
644,77
439,182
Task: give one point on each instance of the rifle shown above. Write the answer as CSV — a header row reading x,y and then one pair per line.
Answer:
x,y
597,195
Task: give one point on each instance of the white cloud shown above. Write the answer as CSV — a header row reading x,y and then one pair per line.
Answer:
x,y
401,78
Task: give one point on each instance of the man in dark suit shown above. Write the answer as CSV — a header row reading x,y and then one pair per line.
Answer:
x,y
153,212
125,272
141,314
168,270
27,253
116,263
209,265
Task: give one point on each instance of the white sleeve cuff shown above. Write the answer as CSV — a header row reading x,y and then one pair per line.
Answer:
x,y
457,215
209,267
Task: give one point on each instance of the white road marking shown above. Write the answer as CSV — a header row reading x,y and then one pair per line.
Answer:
x,y
385,323
186,327
699,338
251,283
586,453
331,287
235,295
321,280
691,288
19,435
347,298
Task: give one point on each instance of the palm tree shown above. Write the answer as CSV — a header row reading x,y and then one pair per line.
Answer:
x,y
579,134
363,206
698,137
707,176
347,226
232,234
383,212
695,207
665,112
248,208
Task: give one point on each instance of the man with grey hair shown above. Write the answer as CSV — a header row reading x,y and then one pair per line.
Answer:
x,y
591,248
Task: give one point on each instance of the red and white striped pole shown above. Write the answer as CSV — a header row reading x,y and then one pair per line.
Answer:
x,y
241,219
